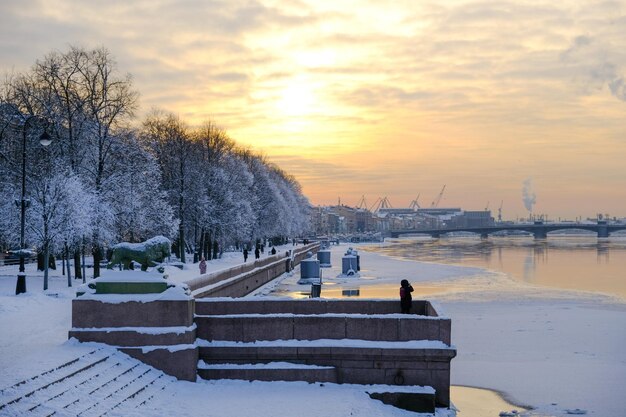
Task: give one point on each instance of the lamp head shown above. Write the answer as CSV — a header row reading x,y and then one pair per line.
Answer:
x,y
45,139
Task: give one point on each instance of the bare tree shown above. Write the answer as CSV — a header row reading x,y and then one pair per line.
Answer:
x,y
169,140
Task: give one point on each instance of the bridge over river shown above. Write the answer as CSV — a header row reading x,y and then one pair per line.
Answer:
x,y
539,229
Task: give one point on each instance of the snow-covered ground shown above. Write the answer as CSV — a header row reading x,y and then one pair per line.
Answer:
x,y
551,349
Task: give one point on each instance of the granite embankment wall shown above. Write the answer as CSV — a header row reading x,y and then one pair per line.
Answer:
x,y
163,333
355,340
242,279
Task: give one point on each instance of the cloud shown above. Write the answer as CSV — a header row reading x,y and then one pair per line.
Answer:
x,y
596,64
376,96
618,88
414,91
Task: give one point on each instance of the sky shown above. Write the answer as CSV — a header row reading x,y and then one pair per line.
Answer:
x,y
496,100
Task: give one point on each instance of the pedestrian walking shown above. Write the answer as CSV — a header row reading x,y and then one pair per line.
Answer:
x,y
202,266
257,253
245,254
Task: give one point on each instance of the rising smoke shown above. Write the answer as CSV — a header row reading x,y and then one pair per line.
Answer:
x,y
528,195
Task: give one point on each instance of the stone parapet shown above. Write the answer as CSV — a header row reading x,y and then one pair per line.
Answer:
x,y
250,327
162,313
269,305
243,279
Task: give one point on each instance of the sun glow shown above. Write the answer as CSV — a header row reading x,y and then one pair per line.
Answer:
x,y
297,99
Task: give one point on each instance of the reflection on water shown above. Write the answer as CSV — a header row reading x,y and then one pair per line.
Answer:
x,y
568,262
378,291
390,291
477,402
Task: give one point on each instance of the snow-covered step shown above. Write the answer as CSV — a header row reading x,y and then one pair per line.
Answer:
x,y
110,394
141,391
55,396
17,395
130,388
92,385
272,371
88,396
88,381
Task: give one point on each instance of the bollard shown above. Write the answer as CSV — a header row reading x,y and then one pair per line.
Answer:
x,y
349,265
324,257
316,290
309,268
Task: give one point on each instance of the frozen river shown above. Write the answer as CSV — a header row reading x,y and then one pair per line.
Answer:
x,y
540,321
580,263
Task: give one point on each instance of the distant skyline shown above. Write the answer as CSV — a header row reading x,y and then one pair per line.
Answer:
x,y
379,98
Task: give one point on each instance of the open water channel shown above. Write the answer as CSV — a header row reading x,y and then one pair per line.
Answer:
x,y
570,262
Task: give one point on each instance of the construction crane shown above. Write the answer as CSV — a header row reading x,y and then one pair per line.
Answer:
x,y
380,203
414,204
376,205
435,202
500,211
362,203
385,203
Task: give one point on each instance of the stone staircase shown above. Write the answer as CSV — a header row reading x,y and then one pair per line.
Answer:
x,y
101,382
266,362
353,342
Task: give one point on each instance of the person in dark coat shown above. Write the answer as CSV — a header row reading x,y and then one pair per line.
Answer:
x,y
202,266
405,296
245,254
273,250
257,253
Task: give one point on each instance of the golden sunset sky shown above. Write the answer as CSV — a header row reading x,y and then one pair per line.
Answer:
x,y
378,98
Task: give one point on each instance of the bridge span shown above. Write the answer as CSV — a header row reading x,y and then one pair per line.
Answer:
x,y
539,229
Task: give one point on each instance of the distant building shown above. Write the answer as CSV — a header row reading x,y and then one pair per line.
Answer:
x,y
342,219
473,219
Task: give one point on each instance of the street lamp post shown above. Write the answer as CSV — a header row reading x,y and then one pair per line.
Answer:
x,y
45,140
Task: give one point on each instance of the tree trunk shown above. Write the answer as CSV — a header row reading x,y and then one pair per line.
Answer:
x,y
97,257
82,250
195,243
52,262
215,249
181,244
67,259
205,248
40,261
77,272
201,244
46,259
